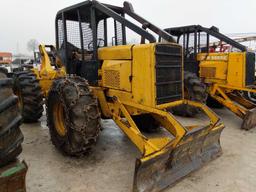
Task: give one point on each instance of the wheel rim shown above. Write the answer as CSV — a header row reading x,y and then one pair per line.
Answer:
x,y
59,119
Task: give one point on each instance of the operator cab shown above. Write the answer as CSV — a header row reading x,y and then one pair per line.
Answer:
x,y
84,28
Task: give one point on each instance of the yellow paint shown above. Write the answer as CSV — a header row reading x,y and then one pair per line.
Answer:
x,y
115,53
99,93
46,74
223,68
136,74
116,74
59,122
127,88
236,69
154,146
143,74
211,68
225,73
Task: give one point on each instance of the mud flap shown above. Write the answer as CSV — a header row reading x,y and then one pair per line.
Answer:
x,y
249,121
196,149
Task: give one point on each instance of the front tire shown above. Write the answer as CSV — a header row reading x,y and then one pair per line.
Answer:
x,y
73,116
28,90
10,120
195,90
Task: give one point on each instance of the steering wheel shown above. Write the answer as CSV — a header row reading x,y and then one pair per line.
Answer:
x,y
100,43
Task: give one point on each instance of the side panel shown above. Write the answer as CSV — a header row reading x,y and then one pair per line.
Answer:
x,y
213,66
116,74
236,69
143,74
115,53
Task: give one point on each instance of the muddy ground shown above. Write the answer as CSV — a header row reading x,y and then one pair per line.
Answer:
x,y
110,167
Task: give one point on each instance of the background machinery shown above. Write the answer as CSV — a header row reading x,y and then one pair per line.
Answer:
x,y
131,84
49,69
227,75
33,84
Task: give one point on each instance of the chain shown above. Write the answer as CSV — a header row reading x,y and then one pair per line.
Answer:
x,y
86,108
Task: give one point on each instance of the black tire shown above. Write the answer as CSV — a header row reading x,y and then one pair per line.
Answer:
x,y
146,123
27,88
79,114
10,120
195,90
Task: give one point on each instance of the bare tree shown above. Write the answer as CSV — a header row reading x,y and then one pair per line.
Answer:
x,y
32,45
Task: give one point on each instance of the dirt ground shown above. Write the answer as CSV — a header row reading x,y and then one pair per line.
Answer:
x,y
110,167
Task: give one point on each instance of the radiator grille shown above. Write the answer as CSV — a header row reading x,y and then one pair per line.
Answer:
x,y
111,79
250,69
168,73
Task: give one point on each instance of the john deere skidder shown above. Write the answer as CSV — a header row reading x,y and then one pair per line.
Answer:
x,y
227,71
132,84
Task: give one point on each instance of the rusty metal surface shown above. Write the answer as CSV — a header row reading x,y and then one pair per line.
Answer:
x,y
249,121
13,177
192,153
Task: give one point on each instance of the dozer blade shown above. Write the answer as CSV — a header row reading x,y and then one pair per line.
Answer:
x,y
249,121
195,149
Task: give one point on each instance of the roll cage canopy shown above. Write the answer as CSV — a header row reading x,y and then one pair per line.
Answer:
x,y
93,12
196,39
213,31
82,28
71,12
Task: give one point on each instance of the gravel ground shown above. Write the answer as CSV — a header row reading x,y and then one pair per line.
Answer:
x,y
110,167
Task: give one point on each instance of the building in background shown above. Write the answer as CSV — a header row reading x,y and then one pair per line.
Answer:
x,y
5,58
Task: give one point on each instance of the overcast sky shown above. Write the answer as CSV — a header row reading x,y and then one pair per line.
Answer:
x,y
22,20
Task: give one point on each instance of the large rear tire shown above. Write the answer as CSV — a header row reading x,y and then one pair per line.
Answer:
x,y
73,116
28,90
10,120
195,90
